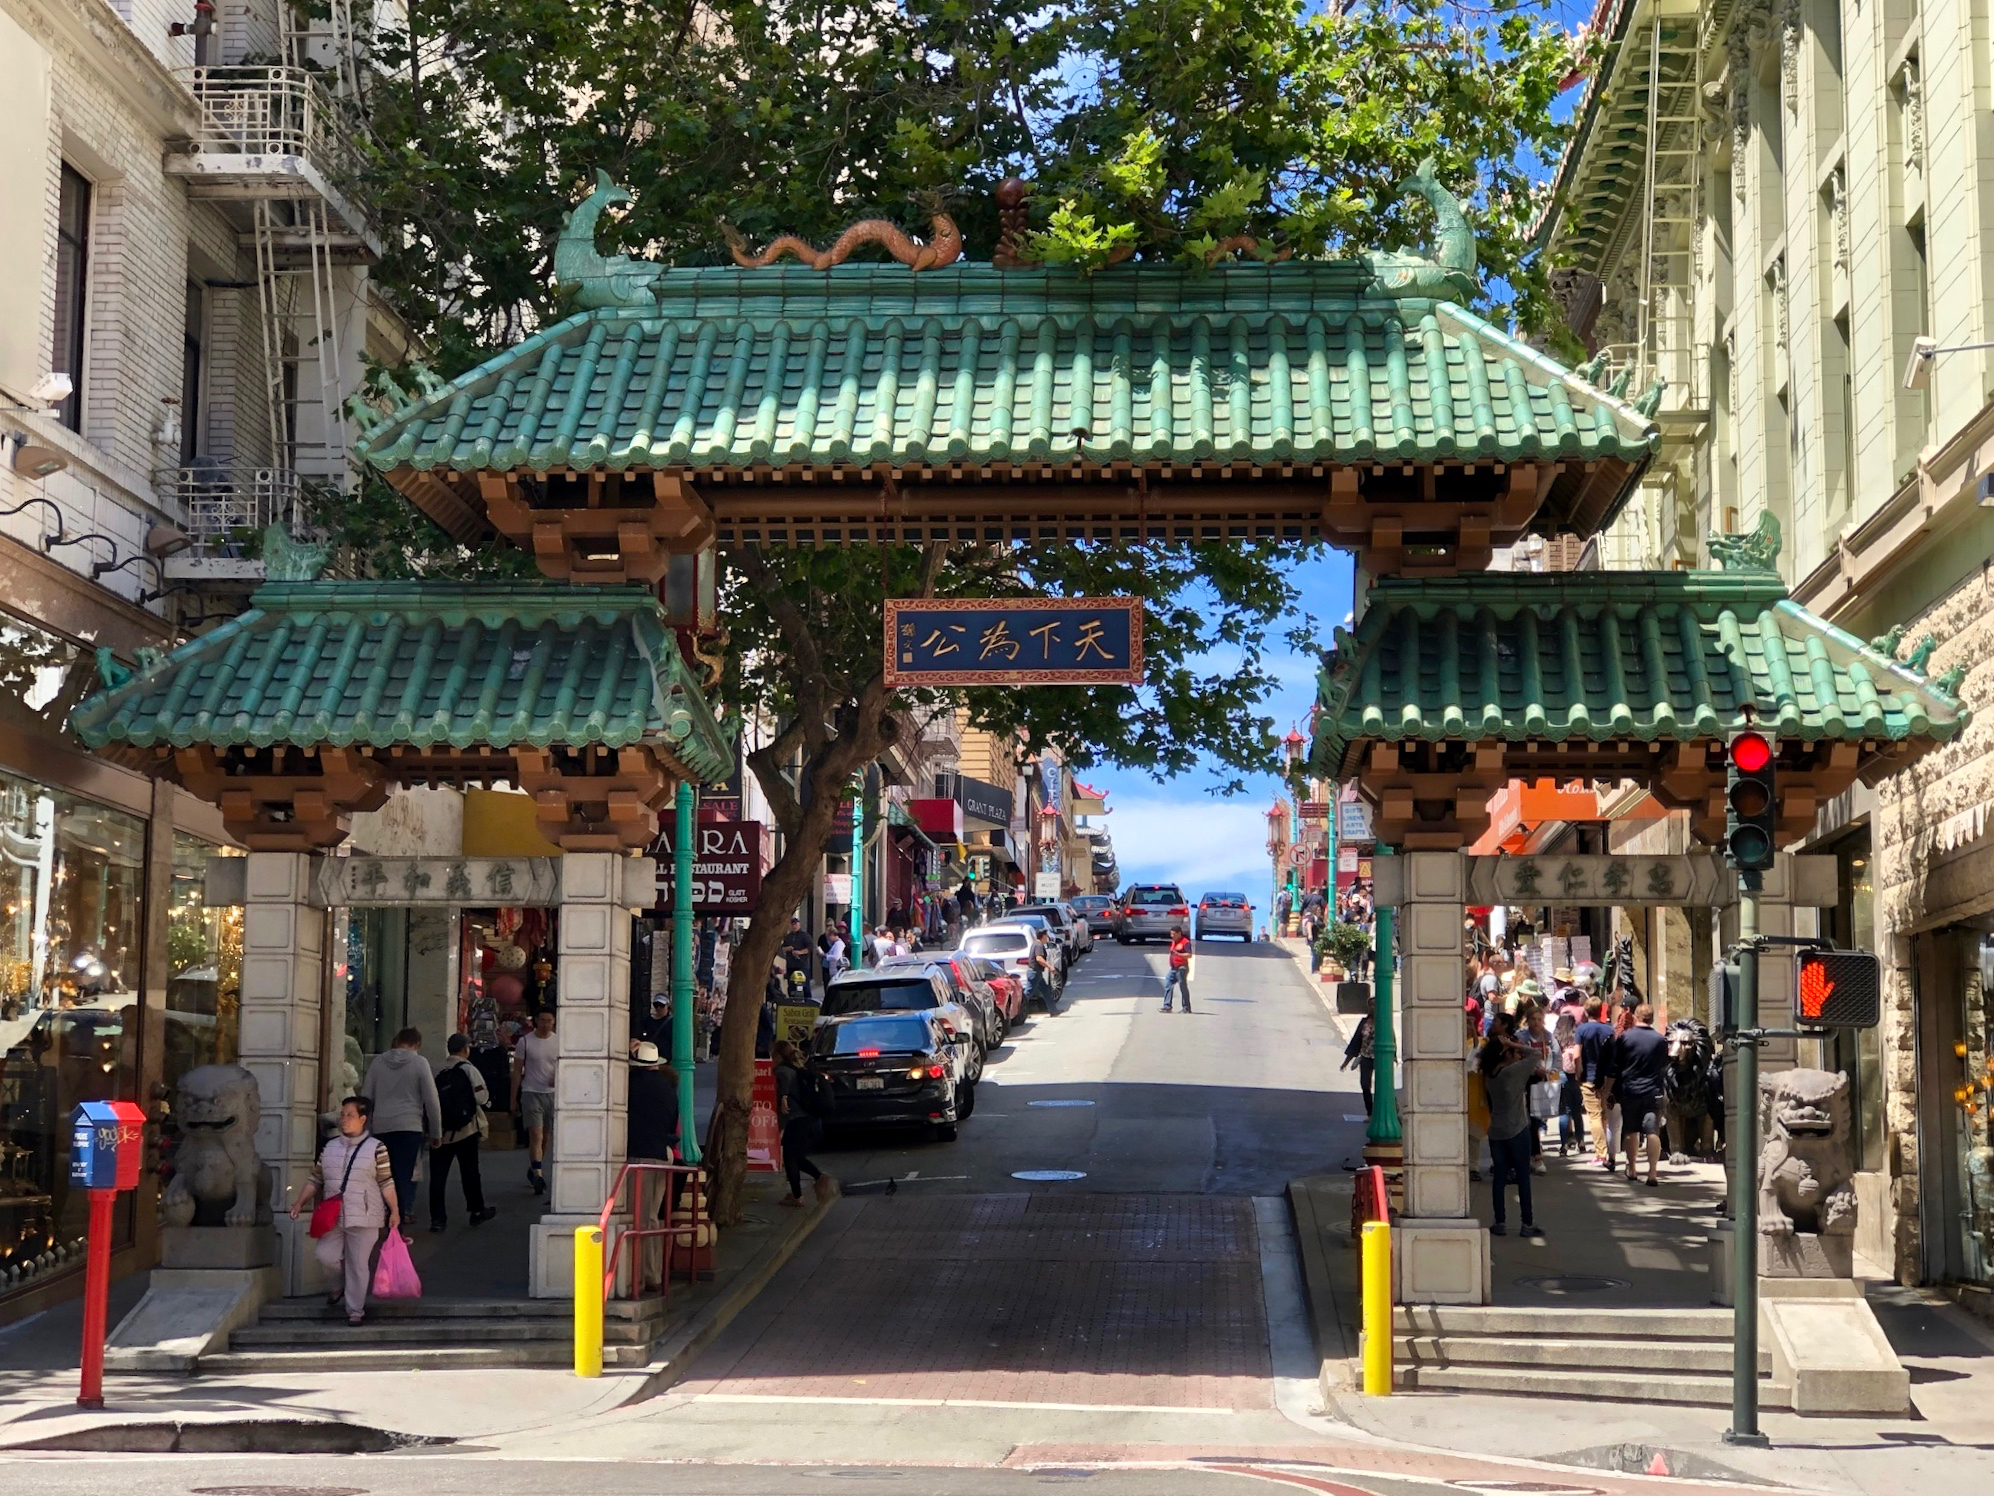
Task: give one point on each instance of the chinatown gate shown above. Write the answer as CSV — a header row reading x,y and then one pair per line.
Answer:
x,y
935,400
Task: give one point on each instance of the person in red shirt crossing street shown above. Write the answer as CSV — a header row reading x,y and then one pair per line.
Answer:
x,y
1179,979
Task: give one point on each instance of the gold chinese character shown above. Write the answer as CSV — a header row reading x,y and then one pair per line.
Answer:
x,y
941,646
1047,635
998,639
1090,638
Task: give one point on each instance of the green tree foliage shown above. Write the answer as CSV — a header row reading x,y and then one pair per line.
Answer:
x,y
1150,128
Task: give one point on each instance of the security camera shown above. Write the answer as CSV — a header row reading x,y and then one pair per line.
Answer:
x,y
1918,368
52,389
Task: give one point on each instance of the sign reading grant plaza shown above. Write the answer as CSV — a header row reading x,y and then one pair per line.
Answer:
x,y
726,867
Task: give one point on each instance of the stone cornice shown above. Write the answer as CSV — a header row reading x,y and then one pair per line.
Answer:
x,y
101,40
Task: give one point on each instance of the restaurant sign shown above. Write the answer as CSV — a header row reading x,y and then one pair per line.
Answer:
x,y
1060,641
726,868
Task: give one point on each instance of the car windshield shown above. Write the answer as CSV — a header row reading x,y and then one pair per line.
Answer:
x,y
984,970
887,1035
1087,903
996,942
1035,921
1046,912
1148,896
1225,898
880,997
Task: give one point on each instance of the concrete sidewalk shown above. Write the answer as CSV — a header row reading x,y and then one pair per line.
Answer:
x,y
358,1411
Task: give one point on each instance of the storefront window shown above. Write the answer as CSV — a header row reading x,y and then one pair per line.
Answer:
x,y
1857,1053
42,674
1972,1111
71,874
203,967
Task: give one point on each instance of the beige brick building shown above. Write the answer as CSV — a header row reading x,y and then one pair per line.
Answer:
x,y
1768,206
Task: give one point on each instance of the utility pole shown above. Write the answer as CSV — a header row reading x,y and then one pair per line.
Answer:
x,y
1744,1427
1384,1140
858,875
682,999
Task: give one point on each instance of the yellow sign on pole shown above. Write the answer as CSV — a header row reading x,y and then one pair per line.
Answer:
x,y
588,1301
794,1022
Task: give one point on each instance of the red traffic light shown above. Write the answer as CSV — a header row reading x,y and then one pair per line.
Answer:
x,y
1750,752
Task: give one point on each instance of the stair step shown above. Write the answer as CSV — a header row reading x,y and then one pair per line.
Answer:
x,y
1677,1387
407,1332
1594,1354
428,1309
412,1358
1611,1324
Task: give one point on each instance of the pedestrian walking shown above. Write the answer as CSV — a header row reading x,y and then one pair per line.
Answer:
x,y
369,1208
1179,978
657,1027
1533,1035
1359,1052
536,1060
1507,1067
462,1097
1571,1097
797,951
796,1109
404,1110
1637,1064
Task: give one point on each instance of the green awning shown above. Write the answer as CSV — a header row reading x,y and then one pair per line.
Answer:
x,y
424,666
1643,657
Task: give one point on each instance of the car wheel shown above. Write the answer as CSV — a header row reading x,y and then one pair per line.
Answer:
x,y
944,1132
965,1102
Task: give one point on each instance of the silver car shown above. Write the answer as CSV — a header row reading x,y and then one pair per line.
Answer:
x,y
1150,911
1225,914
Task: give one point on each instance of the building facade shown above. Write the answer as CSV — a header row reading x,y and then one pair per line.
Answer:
x,y
1780,210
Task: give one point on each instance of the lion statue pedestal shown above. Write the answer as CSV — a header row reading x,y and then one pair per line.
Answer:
x,y
1807,1197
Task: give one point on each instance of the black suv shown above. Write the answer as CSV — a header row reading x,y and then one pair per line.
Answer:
x,y
917,987
893,1069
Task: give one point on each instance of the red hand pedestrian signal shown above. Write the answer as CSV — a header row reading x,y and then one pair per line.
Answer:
x,y
1815,985
1837,989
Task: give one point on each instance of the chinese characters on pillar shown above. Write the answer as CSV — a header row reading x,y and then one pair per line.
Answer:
x,y
1694,879
1066,641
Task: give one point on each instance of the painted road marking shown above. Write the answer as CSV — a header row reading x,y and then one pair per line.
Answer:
x,y
960,1402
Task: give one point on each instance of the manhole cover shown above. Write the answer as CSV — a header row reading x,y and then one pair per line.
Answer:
x,y
1046,1176
1572,1283
1059,1103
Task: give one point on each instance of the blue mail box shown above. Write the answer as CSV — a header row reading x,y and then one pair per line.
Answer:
x,y
95,1127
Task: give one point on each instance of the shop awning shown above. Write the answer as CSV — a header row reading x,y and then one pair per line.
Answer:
x,y
941,819
898,818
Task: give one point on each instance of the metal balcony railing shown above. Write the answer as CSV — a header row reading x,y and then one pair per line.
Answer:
x,y
225,507
268,111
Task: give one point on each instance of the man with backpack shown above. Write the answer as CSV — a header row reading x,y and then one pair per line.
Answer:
x,y
799,1108
462,1095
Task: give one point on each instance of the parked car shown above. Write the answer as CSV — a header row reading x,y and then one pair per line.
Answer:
x,y
1005,986
1225,914
1149,910
901,1068
1070,928
915,988
1099,910
1083,931
1056,947
1009,946
969,989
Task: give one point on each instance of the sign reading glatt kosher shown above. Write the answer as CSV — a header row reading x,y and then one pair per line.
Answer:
x,y
1060,641
726,867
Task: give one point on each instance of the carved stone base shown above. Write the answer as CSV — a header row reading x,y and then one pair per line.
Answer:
x,y
1441,1262
1802,1254
217,1246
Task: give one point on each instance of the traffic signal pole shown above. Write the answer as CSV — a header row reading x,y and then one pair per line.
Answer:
x,y
1744,1135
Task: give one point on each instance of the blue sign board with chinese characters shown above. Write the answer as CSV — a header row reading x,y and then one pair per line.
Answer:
x,y
1062,641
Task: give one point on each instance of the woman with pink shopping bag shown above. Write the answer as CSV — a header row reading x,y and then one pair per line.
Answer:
x,y
366,1207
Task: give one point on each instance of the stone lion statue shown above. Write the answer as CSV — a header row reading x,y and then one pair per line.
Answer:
x,y
217,1178
1804,1165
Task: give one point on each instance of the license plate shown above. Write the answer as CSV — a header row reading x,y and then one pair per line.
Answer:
x,y
869,1083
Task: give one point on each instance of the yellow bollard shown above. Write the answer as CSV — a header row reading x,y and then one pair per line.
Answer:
x,y
1377,1250
588,1301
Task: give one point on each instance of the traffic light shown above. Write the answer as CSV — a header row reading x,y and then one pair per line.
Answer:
x,y
1837,989
1751,806
1724,996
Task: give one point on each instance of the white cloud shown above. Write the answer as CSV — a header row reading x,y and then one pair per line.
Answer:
x,y
1197,842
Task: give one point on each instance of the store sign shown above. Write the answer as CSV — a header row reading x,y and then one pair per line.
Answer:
x,y
838,888
1694,880
1062,641
986,802
1045,885
726,868
1353,820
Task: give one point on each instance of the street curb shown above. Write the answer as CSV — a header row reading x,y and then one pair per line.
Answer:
x,y
1320,1208
675,1355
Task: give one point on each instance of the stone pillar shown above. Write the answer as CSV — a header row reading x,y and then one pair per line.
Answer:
x,y
283,974
1442,1249
592,1100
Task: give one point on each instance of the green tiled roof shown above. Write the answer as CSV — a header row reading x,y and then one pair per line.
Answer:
x,y
426,665
1645,656
870,364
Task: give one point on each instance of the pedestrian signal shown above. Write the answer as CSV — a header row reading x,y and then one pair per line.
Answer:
x,y
1751,806
1837,989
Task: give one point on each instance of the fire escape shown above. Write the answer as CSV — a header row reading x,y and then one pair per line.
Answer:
x,y
274,149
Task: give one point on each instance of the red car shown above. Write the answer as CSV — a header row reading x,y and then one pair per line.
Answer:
x,y
1005,988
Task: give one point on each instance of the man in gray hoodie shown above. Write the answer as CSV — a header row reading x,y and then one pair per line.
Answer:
x,y
407,1113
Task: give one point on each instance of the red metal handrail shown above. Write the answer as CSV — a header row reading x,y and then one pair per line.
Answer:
x,y
1369,1200
671,1231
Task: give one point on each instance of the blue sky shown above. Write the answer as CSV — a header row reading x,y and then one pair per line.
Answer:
x,y
1179,831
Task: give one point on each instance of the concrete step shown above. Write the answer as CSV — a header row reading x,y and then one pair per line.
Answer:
x,y
1597,1356
1676,1387
1575,1323
321,1359
298,1334
479,1309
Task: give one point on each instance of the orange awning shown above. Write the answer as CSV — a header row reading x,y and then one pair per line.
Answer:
x,y
1518,806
